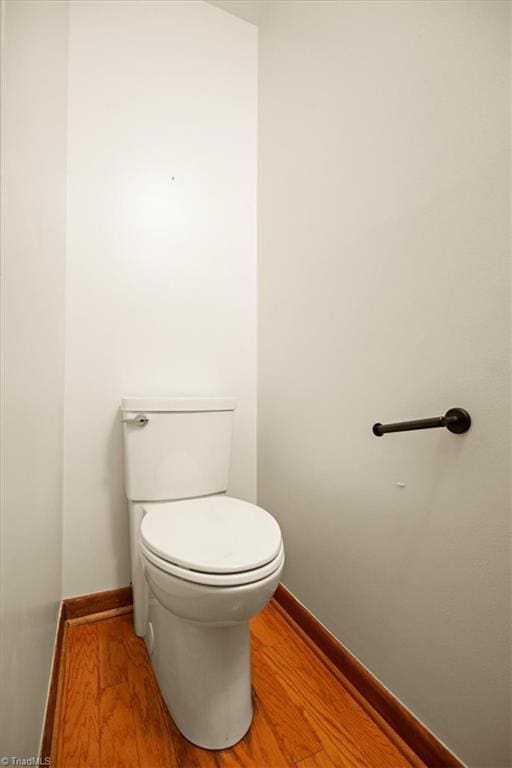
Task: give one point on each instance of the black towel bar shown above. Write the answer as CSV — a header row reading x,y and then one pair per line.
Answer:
x,y
457,420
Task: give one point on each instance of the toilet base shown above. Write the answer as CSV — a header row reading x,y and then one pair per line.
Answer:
x,y
204,674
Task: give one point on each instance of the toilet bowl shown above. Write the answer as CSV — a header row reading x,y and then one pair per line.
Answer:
x,y
211,565
202,566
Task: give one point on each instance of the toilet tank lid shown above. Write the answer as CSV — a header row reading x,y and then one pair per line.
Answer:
x,y
177,404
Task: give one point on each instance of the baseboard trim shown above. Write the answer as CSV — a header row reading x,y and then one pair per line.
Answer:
x,y
97,602
51,702
410,730
101,616
78,610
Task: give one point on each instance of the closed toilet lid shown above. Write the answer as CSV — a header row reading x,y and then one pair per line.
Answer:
x,y
213,534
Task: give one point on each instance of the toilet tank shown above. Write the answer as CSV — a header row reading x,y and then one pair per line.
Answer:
x,y
182,451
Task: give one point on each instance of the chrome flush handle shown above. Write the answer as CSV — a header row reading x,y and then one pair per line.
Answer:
x,y
140,420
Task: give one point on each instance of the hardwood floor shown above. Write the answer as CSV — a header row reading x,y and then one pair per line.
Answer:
x,y
110,713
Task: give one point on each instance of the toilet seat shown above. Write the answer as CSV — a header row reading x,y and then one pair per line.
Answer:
x,y
216,540
215,579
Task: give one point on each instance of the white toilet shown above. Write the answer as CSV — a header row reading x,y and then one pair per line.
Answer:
x,y
203,563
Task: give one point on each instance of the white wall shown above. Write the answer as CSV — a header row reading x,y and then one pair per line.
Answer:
x,y
383,295
161,272
34,71
250,10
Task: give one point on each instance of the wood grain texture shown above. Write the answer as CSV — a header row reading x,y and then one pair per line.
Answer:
x,y
297,738
345,731
383,726
318,760
261,746
77,731
419,740
52,703
118,743
101,615
268,627
112,660
96,602
153,726
112,714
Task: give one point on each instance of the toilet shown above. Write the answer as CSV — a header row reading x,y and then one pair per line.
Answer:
x,y
203,563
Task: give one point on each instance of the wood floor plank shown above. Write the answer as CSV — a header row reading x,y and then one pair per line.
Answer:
x,y
118,745
269,627
111,653
322,650
78,743
348,735
190,756
261,747
111,713
318,760
297,737
153,731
